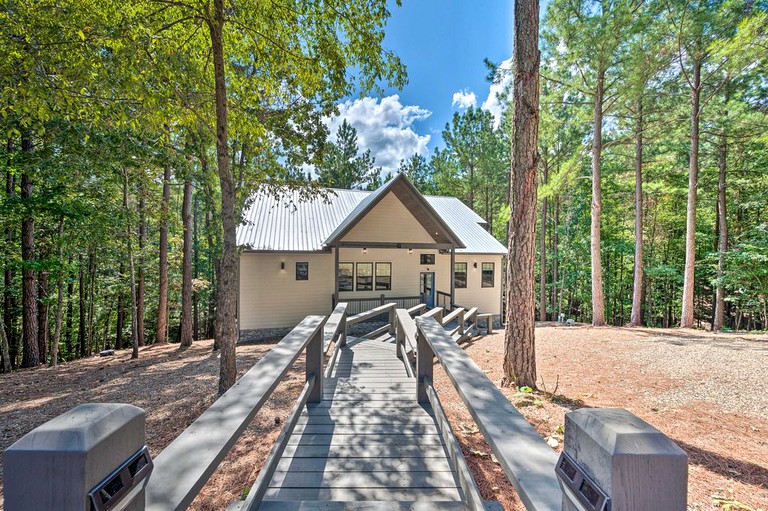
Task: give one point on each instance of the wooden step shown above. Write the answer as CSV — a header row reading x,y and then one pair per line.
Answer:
x,y
324,505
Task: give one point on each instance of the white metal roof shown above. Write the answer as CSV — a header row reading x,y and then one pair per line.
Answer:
x,y
288,224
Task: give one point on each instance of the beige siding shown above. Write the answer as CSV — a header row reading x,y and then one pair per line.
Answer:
x,y
273,298
389,221
487,299
405,270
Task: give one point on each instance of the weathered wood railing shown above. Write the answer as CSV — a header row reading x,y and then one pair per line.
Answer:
x,y
358,305
523,454
388,309
184,467
443,300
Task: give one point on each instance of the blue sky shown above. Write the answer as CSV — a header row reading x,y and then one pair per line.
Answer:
x,y
442,44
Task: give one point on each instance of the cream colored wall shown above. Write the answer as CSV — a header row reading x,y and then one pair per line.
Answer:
x,y
487,299
405,270
273,298
389,221
405,275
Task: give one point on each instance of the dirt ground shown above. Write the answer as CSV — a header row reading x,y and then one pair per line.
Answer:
x,y
707,392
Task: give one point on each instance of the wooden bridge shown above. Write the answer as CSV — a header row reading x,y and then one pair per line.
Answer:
x,y
367,433
368,430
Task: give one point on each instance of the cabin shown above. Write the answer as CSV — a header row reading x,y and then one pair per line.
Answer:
x,y
303,256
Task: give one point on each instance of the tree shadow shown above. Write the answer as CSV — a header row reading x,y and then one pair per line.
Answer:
x,y
739,470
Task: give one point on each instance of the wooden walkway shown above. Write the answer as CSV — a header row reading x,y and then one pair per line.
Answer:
x,y
368,440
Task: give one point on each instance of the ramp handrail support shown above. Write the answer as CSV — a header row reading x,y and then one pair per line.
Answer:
x,y
183,468
527,460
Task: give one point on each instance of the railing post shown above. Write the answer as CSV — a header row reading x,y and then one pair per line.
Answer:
x,y
424,366
343,334
613,459
399,339
392,320
93,448
381,300
460,319
315,366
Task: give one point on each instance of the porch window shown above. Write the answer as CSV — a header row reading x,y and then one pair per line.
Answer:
x,y
346,276
302,271
488,274
460,275
365,276
383,276
427,259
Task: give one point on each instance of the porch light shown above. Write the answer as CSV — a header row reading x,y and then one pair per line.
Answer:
x,y
474,265
410,251
282,265
365,251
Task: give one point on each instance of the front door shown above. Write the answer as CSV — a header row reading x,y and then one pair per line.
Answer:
x,y
427,288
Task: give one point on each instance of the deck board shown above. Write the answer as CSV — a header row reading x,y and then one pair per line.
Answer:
x,y
368,439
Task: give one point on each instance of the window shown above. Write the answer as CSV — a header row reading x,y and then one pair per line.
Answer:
x,y
302,271
346,276
488,275
364,276
383,276
427,258
460,275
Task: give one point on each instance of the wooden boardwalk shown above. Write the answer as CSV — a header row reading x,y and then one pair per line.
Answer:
x,y
368,440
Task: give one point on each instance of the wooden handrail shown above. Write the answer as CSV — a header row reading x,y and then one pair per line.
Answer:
x,y
336,326
436,313
357,318
452,315
183,468
418,309
527,460
405,331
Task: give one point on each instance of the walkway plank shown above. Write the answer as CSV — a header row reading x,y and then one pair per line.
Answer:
x,y
368,439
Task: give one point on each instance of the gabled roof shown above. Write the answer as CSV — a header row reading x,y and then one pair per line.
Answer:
x,y
290,224
412,199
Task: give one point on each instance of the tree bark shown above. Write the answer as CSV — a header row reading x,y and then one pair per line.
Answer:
x,y
187,322
195,271
9,300
519,341
59,301
636,317
134,307
555,259
543,250
686,319
226,296
120,312
723,237
598,301
70,314
6,350
162,291
140,270
82,338
31,353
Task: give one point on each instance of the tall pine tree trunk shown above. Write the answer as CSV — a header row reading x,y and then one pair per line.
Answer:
x,y
42,313
598,301
722,159
140,270
59,301
226,297
82,337
9,299
636,317
31,352
686,319
162,291
187,322
543,252
120,312
134,307
519,336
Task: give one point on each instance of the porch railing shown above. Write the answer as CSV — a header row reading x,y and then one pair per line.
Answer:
x,y
443,300
358,305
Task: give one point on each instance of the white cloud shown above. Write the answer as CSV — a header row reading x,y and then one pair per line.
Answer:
x,y
385,127
492,103
464,99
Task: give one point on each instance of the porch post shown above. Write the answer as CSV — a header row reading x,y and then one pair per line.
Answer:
x,y
336,275
453,275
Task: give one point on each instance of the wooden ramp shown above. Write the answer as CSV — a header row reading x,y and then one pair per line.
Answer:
x,y
367,440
